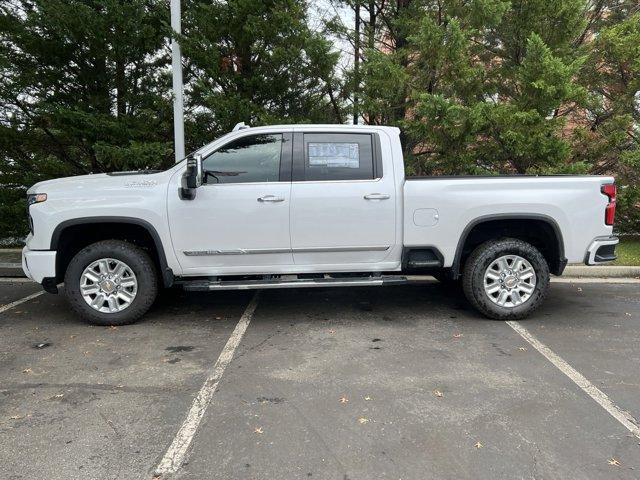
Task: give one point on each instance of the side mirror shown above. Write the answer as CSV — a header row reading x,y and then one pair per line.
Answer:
x,y
193,173
192,177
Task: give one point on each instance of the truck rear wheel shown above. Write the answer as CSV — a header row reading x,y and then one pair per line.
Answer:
x,y
506,279
111,283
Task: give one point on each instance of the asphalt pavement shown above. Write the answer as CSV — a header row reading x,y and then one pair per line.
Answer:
x,y
400,382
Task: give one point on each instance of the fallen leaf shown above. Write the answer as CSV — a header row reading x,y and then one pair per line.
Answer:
x,y
627,314
438,393
522,349
579,289
258,430
15,417
367,398
218,318
363,420
113,327
614,462
72,336
60,395
478,445
344,399
457,335
27,370
332,331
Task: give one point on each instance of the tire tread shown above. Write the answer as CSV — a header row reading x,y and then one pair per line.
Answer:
x,y
473,277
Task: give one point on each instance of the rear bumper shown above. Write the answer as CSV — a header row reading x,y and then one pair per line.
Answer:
x,y
601,250
39,264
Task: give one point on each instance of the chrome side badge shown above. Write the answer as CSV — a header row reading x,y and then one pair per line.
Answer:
x,y
141,183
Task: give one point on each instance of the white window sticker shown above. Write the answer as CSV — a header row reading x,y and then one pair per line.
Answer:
x,y
334,155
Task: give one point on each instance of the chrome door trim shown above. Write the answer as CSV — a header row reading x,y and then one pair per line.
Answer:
x,y
367,248
266,251
237,251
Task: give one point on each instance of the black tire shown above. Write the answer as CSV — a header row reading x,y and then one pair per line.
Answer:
x,y
477,264
135,258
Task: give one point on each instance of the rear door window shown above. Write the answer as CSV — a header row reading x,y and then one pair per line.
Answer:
x,y
338,156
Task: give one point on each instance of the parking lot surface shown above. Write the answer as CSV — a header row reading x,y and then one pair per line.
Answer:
x,y
399,382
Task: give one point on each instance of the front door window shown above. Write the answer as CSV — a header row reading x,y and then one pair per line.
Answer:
x,y
250,159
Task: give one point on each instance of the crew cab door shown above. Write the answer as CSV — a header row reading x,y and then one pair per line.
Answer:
x,y
343,205
239,219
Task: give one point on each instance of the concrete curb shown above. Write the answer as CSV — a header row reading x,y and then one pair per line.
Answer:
x,y
11,269
10,262
601,271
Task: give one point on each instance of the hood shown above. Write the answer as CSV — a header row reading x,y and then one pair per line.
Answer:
x,y
95,181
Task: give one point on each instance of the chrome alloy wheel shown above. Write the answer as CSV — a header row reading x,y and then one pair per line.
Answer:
x,y
108,285
509,281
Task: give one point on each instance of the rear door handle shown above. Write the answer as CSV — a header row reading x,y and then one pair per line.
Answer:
x,y
377,196
271,199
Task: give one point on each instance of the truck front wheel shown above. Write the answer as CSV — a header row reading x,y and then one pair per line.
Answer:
x,y
111,283
506,279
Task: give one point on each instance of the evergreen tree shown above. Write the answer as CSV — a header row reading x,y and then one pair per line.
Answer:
x,y
83,90
493,86
256,62
476,86
607,136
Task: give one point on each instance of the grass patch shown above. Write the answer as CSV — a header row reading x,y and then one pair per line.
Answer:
x,y
628,251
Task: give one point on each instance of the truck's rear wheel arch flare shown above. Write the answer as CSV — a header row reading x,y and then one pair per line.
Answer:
x,y
66,241
540,230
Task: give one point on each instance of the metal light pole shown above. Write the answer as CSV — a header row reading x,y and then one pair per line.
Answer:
x,y
176,65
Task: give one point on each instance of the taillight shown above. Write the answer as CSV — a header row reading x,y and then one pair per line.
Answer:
x,y
610,211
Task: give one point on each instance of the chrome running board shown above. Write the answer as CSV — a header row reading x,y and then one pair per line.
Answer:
x,y
291,281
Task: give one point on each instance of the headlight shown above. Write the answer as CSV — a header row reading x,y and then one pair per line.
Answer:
x,y
36,198
31,199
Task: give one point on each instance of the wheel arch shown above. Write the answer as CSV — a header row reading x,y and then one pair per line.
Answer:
x,y
127,226
512,225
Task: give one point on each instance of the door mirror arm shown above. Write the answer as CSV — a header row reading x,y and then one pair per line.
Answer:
x,y
192,177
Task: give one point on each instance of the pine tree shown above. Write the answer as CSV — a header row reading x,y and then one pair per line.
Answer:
x,y
256,62
608,133
83,90
492,86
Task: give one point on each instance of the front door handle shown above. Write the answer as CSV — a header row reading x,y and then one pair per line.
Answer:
x,y
377,196
271,199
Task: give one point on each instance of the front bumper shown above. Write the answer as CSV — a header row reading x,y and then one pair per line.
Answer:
x,y
39,264
601,250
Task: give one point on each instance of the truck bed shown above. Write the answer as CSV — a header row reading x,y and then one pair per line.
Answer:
x,y
439,209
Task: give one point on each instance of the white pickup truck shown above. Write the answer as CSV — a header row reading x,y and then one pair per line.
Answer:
x,y
309,206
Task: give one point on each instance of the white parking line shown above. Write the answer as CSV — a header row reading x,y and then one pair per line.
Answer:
x,y
8,306
576,377
175,455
